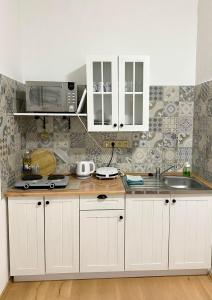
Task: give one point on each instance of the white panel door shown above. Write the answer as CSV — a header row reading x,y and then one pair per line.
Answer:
x,y
190,244
102,241
26,236
102,92
133,93
62,234
147,233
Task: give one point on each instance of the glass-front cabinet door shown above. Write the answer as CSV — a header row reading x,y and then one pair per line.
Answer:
x,y
133,93
102,93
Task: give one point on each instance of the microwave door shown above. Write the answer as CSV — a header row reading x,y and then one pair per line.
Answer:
x,y
52,100
34,102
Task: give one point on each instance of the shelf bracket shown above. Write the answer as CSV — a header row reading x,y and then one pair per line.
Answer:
x,y
42,119
68,118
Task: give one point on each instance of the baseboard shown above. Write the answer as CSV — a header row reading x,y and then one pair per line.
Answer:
x,y
110,275
5,289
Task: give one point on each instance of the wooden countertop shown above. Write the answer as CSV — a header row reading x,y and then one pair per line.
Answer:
x,y
91,186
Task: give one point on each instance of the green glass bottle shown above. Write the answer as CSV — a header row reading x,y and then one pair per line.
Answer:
x,y
187,169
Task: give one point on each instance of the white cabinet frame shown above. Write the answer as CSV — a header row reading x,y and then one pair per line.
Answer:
x,y
90,94
118,120
122,114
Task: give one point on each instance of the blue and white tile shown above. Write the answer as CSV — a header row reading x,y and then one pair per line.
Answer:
x,y
185,124
171,94
187,93
171,109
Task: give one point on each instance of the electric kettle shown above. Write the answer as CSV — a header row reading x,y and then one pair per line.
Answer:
x,y
85,169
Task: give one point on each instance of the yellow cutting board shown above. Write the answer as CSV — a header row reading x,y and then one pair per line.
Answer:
x,y
45,160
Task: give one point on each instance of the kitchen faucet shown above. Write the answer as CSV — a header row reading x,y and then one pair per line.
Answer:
x,y
159,174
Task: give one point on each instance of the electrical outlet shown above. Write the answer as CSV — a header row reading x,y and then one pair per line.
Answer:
x,y
118,144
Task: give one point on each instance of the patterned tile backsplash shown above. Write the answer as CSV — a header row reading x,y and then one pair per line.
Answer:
x,y
169,140
11,139
202,132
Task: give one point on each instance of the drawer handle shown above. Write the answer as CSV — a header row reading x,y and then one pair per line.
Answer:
x,y
174,201
102,197
121,218
39,203
47,202
166,201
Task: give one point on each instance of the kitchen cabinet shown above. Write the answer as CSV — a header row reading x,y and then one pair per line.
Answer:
x,y
118,93
147,233
26,236
43,235
102,241
61,235
190,244
168,233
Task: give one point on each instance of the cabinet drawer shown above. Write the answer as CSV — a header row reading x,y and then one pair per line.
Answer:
x,y
102,201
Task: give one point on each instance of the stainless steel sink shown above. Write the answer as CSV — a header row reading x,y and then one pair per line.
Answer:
x,y
188,183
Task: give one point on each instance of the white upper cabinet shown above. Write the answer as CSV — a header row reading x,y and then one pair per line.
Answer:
x,y
133,93
26,236
118,93
190,244
102,93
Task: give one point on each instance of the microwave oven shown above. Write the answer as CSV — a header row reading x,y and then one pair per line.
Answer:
x,y
48,96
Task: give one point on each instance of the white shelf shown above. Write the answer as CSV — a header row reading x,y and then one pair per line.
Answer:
x,y
102,93
52,114
135,93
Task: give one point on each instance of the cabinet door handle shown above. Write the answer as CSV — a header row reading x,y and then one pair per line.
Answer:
x,y
174,201
121,125
121,218
166,201
47,202
115,125
39,203
102,197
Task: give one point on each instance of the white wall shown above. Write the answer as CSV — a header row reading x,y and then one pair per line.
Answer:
x,y
10,64
204,42
57,36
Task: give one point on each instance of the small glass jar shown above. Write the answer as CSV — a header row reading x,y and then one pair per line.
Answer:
x,y
27,163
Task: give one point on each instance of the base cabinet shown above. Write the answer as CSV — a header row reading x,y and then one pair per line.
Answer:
x,y
168,233
190,245
43,235
50,235
102,241
147,233
26,236
62,235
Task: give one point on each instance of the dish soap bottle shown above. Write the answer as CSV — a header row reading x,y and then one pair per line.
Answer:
x,y
187,169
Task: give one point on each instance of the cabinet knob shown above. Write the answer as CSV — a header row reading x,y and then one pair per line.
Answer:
x,y
121,218
115,125
166,201
47,202
102,197
52,185
121,125
174,201
26,186
39,203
